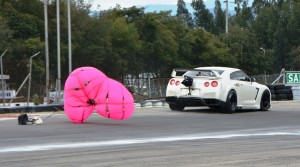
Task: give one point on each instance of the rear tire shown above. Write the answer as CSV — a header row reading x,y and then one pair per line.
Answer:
x,y
231,102
265,101
176,107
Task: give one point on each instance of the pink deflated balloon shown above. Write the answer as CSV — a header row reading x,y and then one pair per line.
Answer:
x,y
88,89
117,103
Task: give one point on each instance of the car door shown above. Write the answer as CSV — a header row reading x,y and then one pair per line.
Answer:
x,y
246,90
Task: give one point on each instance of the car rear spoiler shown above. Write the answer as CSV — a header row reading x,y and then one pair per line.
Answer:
x,y
181,71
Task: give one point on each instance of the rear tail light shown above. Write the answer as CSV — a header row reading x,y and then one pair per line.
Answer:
x,y
214,83
206,84
172,81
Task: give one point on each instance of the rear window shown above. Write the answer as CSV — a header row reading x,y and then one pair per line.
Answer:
x,y
204,73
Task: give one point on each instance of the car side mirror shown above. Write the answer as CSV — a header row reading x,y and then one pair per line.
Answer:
x,y
253,79
248,79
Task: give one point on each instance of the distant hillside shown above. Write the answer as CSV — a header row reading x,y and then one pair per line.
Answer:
x,y
210,4
156,8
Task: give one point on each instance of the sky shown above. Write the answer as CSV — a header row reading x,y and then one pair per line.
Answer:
x,y
106,4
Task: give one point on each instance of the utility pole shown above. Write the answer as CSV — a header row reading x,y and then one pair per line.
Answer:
x,y
69,35
46,49
58,52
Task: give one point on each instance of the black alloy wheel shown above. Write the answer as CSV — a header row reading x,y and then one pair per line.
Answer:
x,y
231,102
265,101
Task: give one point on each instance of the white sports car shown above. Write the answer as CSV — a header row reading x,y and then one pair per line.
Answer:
x,y
224,88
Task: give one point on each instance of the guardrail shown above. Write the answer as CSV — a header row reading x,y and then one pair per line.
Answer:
x,y
41,108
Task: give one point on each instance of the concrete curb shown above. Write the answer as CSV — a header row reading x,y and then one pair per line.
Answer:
x,y
57,107
42,108
150,103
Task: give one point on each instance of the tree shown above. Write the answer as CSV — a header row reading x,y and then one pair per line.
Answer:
x,y
129,41
207,50
293,28
184,39
183,13
257,5
203,17
5,34
295,55
23,38
125,46
24,26
245,51
284,36
244,16
159,46
219,18
265,26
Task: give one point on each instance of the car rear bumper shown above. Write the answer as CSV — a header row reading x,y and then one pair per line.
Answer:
x,y
193,101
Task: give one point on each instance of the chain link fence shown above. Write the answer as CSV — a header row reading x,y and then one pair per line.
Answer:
x,y
267,79
155,88
36,91
141,88
147,88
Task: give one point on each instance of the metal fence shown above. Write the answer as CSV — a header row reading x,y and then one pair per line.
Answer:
x,y
147,88
267,79
142,88
155,88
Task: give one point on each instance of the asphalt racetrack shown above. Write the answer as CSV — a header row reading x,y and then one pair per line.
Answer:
x,y
158,137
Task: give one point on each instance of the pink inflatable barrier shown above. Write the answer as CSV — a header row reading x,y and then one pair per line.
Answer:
x,y
87,89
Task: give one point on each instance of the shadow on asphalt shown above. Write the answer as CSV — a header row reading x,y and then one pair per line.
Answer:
x,y
212,111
